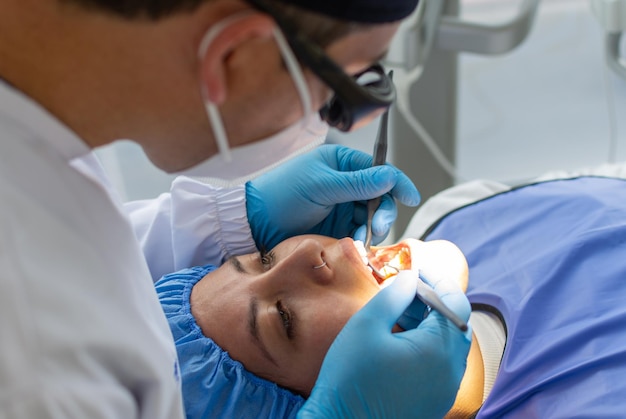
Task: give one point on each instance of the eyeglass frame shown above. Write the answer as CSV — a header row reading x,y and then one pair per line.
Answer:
x,y
351,101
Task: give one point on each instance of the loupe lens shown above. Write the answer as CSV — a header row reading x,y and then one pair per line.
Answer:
x,y
370,93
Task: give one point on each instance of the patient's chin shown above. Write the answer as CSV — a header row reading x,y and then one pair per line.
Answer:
x,y
437,259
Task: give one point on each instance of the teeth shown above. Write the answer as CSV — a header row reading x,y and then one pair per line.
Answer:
x,y
360,247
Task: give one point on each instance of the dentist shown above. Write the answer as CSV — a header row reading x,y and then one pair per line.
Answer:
x,y
218,90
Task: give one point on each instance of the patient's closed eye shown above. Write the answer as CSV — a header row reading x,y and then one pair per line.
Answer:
x,y
266,258
286,318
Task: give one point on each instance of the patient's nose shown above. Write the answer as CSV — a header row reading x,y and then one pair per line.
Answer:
x,y
306,264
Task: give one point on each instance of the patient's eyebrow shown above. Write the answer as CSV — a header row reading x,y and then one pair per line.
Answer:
x,y
254,331
236,263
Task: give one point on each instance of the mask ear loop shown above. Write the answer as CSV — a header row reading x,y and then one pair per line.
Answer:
x,y
292,66
217,125
296,74
218,128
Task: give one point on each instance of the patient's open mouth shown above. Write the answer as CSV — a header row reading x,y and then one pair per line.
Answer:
x,y
388,260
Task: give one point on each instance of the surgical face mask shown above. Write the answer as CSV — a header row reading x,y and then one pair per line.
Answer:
x,y
238,165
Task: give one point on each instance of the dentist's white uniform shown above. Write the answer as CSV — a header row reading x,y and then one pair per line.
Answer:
x,y
82,334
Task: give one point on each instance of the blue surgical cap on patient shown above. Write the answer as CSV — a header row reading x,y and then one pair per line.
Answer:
x,y
215,385
363,11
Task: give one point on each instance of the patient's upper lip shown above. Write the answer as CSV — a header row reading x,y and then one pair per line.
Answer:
x,y
353,257
349,252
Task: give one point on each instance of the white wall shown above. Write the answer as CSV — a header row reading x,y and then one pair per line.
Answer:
x,y
546,105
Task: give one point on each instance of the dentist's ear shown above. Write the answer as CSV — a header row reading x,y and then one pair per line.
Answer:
x,y
220,40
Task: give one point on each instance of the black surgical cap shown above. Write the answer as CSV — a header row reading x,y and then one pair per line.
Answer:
x,y
362,11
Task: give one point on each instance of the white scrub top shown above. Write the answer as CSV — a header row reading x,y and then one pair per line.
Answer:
x,y
195,224
82,334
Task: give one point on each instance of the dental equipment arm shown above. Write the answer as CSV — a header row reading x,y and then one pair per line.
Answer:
x,y
370,372
425,56
429,27
487,39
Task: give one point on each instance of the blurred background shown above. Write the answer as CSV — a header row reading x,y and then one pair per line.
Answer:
x,y
549,102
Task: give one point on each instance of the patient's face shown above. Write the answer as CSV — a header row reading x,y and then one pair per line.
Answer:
x,y
278,315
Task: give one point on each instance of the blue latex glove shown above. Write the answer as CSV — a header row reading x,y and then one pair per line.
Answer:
x,y
417,311
413,315
370,372
325,192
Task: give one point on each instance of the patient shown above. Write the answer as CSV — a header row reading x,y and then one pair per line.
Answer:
x,y
546,271
277,313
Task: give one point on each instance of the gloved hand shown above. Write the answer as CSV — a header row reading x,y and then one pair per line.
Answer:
x,y
413,315
370,372
325,192
417,311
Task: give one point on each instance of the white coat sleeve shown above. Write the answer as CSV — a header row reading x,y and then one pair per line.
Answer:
x,y
194,224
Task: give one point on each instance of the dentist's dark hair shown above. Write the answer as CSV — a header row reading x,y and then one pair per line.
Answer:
x,y
319,28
